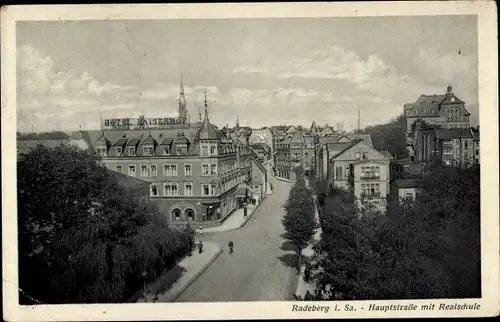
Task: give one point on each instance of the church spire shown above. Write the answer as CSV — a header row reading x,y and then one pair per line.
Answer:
x,y
102,124
182,100
207,130
237,121
206,108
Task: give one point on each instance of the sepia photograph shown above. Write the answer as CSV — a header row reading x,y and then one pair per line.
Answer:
x,y
243,160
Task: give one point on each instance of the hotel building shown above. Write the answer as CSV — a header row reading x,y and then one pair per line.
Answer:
x,y
197,174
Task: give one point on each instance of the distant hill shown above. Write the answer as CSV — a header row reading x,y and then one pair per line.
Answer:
x,y
389,136
55,135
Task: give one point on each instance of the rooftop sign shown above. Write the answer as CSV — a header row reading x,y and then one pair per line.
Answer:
x,y
143,123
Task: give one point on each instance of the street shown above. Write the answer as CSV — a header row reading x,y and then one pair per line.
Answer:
x,y
259,269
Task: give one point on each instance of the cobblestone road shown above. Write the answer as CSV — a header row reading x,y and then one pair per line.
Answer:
x,y
260,269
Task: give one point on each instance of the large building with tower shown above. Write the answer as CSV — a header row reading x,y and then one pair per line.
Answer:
x,y
197,173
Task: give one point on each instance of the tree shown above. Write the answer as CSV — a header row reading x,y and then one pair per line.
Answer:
x,y
82,237
299,221
389,136
54,135
426,248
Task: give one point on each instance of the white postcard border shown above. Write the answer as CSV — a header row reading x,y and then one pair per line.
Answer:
x,y
488,99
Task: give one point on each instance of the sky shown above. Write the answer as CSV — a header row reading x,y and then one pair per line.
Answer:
x,y
266,71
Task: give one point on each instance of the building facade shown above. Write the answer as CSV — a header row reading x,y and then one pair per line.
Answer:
x,y
369,181
404,189
449,147
340,171
290,153
259,180
442,111
193,170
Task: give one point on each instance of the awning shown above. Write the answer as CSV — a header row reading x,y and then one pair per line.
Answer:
x,y
213,204
243,190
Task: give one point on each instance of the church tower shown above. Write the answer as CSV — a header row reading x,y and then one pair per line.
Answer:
x,y
182,101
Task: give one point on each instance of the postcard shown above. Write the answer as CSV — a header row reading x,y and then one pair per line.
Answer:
x,y
250,161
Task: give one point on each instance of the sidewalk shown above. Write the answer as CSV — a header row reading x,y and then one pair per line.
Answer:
x,y
233,221
169,286
303,286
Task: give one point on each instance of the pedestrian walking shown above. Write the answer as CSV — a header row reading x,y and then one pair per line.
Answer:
x,y
200,247
307,273
231,246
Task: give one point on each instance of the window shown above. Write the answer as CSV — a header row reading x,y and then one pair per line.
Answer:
x,y
148,150
154,170
154,190
189,214
131,170
144,170
358,156
346,171
118,151
119,168
205,188
188,189
365,155
466,144
131,151
176,214
409,195
188,170
170,170
213,150
181,149
101,151
204,170
171,189
338,173
213,169
204,150
165,150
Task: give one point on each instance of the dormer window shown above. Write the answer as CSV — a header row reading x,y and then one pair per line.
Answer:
x,y
165,150
118,150
213,150
358,156
101,151
148,150
181,149
131,151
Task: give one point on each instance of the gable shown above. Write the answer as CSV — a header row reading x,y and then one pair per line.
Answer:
x,y
360,147
344,139
452,99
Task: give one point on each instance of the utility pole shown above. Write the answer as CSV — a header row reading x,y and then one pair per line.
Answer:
x,y
359,120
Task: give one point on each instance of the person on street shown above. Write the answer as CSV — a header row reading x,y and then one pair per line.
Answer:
x,y
201,231
307,273
231,246
200,247
308,296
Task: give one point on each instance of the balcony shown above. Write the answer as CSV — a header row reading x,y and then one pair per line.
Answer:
x,y
375,195
370,178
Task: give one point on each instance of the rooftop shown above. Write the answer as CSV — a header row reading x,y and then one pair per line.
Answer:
x,y
407,183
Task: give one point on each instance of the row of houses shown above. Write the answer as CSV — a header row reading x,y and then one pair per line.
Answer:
x,y
437,132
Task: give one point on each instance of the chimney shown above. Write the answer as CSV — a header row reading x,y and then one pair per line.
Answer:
x,y
449,90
